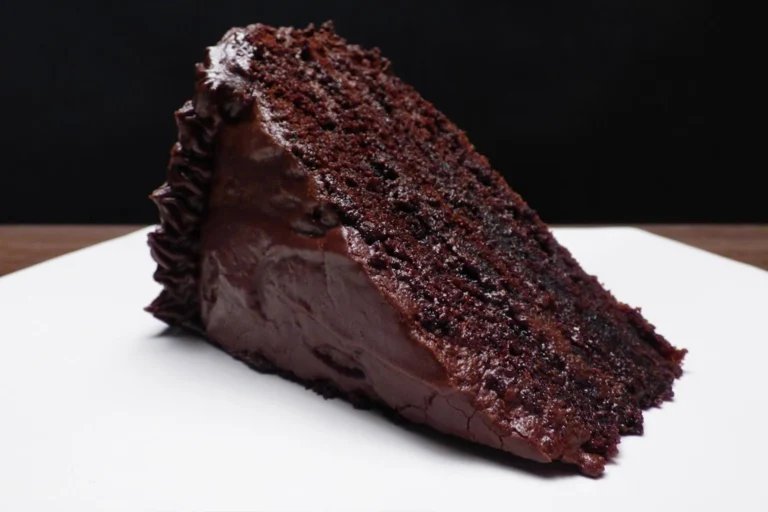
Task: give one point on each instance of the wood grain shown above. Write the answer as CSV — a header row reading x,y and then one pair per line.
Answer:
x,y
23,246
745,243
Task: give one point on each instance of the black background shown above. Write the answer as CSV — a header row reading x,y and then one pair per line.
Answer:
x,y
596,112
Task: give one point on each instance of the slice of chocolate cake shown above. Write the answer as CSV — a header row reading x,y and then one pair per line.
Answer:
x,y
322,220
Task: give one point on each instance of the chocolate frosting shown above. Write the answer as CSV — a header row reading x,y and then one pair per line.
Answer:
x,y
284,284
221,95
250,258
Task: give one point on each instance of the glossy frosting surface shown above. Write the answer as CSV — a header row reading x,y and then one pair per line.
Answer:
x,y
280,292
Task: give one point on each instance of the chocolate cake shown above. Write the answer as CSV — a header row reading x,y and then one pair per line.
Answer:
x,y
320,219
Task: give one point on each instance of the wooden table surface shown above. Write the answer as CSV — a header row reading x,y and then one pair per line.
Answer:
x,y
22,246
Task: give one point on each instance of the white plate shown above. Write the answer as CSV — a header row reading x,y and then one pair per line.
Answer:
x,y
99,411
